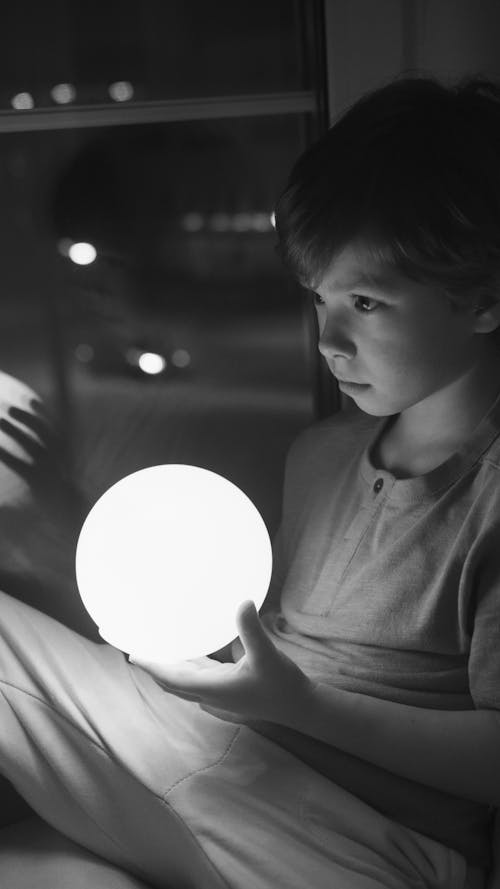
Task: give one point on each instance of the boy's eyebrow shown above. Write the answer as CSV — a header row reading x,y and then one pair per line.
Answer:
x,y
374,282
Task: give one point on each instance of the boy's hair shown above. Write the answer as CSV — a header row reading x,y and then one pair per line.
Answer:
x,y
412,170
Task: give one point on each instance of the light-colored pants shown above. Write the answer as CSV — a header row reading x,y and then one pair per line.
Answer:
x,y
161,788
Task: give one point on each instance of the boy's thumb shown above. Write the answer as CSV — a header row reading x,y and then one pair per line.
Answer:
x,y
252,634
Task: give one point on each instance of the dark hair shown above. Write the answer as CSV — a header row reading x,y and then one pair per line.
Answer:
x,y
413,170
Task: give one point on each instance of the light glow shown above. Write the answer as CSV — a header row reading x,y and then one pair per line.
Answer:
x,y
242,222
151,362
63,93
84,353
166,556
180,358
220,222
82,253
121,91
258,221
22,101
192,222
63,246
261,222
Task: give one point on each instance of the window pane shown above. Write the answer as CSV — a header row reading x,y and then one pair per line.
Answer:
x,y
152,50
183,340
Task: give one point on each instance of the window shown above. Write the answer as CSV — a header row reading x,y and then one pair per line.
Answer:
x,y
159,135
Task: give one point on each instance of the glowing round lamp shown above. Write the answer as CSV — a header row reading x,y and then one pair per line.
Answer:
x,y
166,556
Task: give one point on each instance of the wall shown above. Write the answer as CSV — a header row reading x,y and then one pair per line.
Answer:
x,y
371,41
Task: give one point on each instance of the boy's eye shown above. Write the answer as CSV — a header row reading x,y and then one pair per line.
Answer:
x,y
365,303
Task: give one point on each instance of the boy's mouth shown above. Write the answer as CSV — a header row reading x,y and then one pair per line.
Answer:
x,y
347,386
342,382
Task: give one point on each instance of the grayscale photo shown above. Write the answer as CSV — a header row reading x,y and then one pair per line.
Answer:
x,y
250,444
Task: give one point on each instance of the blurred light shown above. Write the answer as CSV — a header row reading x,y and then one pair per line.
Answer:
x,y
121,91
180,358
192,222
82,253
242,222
63,93
272,219
261,222
224,222
84,353
220,222
151,362
64,246
22,101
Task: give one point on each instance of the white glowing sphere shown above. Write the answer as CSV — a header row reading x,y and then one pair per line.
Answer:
x,y
166,556
82,253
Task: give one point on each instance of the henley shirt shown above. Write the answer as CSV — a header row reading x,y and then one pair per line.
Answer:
x,y
391,588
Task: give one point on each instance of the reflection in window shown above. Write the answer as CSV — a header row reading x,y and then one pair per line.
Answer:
x,y
141,291
122,50
182,338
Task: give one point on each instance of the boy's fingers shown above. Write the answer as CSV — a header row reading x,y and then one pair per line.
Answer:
x,y
170,680
185,679
254,639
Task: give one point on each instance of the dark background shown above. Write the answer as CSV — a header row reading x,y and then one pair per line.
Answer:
x,y
179,211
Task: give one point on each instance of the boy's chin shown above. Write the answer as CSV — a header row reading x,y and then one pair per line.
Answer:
x,y
370,405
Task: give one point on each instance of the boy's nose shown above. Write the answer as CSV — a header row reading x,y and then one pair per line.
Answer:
x,y
334,342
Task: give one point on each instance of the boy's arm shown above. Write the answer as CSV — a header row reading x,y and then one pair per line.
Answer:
x,y
396,797
457,752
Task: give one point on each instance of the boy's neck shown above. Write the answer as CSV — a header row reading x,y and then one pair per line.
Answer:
x,y
425,435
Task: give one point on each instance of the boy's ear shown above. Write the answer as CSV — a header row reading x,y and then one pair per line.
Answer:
x,y
487,318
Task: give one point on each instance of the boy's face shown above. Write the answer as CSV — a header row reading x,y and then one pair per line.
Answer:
x,y
390,342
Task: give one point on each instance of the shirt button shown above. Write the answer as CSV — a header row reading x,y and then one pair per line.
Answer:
x,y
379,484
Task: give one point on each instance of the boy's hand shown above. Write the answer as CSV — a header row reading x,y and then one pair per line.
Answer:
x,y
264,685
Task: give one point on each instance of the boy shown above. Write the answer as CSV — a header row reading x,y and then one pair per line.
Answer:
x,y
354,741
